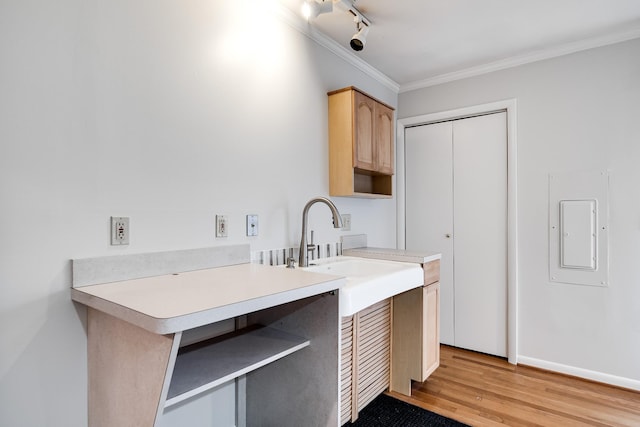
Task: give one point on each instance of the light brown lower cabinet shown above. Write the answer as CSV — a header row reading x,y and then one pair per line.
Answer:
x,y
365,356
416,332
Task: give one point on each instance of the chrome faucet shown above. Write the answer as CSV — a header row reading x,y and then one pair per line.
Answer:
x,y
303,258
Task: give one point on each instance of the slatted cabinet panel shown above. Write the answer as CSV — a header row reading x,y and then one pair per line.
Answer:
x,y
346,354
366,358
373,351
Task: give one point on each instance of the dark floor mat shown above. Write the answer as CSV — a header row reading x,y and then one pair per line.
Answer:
x,y
389,412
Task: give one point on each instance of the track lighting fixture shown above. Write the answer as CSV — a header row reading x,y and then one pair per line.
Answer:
x,y
359,39
312,8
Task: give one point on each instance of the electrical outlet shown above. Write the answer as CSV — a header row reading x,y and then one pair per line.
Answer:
x,y
120,230
221,226
346,222
252,225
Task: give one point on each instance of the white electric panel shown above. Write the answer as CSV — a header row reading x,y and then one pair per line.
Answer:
x,y
579,228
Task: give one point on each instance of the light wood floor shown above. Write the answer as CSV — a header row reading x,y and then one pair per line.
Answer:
x,y
482,390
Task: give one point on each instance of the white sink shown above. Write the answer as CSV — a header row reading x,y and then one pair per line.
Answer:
x,y
368,280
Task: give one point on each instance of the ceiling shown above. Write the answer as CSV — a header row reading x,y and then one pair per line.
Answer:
x,y
417,43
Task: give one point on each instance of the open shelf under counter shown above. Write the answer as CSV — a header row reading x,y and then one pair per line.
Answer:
x,y
202,366
139,305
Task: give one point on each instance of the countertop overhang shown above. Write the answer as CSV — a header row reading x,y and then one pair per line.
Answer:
x,y
175,302
400,255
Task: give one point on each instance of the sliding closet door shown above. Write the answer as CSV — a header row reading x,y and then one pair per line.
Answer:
x,y
429,206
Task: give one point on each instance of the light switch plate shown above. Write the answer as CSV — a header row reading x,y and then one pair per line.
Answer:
x,y
252,225
346,222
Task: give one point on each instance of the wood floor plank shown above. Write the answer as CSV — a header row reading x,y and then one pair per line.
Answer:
x,y
528,394
482,390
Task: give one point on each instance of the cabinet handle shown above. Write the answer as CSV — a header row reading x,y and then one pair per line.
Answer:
x,y
448,236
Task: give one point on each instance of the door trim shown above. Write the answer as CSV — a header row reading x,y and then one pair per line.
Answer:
x,y
510,106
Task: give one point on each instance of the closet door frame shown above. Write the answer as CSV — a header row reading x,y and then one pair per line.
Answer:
x,y
509,106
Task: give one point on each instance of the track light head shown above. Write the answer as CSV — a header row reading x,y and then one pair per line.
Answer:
x,y
359,39
311,8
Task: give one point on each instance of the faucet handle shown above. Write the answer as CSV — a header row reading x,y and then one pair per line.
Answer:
x,y
311,241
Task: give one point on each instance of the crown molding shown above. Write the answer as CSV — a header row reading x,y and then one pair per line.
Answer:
x,y
539,55
301,25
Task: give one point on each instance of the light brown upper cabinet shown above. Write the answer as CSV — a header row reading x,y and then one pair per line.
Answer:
x,y
361,148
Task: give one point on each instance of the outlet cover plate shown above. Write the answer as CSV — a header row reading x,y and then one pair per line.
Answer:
x,y
119,230
221,226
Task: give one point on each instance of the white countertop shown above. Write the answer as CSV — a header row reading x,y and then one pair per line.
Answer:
x,y
401,255
175,302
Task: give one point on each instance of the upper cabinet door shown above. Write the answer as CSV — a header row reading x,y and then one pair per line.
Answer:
x,y
363,150
384,139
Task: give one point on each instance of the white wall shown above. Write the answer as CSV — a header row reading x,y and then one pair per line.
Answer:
x,y
168,112
578,112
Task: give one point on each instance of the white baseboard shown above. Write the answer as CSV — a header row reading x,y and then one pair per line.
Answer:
x,y
582,373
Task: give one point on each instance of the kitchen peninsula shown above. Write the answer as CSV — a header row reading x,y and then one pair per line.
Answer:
x,y
135,325
147,352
